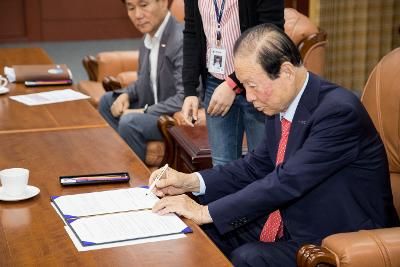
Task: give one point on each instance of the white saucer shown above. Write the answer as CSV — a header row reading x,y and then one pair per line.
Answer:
x,y
4,90
30,191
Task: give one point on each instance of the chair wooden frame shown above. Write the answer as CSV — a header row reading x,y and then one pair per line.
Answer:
x,y
91,66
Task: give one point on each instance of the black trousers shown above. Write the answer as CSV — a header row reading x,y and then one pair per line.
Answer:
x,y
243,248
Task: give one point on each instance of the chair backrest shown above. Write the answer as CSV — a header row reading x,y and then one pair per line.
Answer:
x,y
381,98
310,40
177,9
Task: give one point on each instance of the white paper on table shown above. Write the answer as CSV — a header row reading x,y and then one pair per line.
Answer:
x,y
104,202
49,97
115,217
117,227
79,247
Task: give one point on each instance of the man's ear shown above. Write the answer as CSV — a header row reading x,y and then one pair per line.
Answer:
x,y
287,70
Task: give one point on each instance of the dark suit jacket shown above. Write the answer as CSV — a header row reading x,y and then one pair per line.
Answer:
x,y
334,177
251,13
169,74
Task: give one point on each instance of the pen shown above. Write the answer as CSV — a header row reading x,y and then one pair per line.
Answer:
x,y
77,181
104,177
160,174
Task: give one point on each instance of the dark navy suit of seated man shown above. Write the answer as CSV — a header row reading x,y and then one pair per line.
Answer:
x,y
330,176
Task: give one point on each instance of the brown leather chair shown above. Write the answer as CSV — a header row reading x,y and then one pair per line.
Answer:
x,y
120,64
310,40
380,247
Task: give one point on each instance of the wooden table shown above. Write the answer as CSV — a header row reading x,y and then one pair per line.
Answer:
x,y
22,56
17,117
71,138
31,232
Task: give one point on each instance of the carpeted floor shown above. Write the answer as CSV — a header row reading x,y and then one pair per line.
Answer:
x,y
72,52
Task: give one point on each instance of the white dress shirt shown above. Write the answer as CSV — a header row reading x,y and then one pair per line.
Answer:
x,y
153,44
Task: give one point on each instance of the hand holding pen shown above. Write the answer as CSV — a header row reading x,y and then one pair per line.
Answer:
x,y
158,176
171,182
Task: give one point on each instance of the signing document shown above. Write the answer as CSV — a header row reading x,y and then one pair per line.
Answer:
x,y
115,216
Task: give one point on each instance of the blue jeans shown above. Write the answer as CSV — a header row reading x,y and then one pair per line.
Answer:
x,y
135,128
225,134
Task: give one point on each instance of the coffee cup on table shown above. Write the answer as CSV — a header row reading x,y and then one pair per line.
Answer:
x,y
3,84
14,181
3,81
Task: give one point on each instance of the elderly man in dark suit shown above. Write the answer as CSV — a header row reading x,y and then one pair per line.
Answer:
x,y
133,111
320,169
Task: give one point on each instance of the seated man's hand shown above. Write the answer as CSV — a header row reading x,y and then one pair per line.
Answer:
x,y
190,109
183,206
120,105
174,183
221,100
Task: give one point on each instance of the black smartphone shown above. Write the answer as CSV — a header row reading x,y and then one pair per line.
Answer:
x,y
98,178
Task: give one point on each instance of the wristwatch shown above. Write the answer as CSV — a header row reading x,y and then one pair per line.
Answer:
x,y
146,107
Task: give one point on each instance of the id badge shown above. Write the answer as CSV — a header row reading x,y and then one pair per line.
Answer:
x,y
217,60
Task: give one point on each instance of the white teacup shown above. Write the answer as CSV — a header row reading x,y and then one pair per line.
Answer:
x,y
3,81
3,84
14,181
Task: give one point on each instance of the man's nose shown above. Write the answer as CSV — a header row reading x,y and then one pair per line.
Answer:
x,y
250,97
138,13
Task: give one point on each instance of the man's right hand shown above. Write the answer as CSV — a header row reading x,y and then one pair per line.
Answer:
x,y
120,105
174,182
190,109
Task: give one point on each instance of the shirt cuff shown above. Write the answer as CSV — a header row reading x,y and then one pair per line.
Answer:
x,y
202,190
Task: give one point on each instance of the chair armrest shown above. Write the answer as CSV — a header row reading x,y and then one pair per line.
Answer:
x,y
179,120
127,77
111,83
113,63
312,255
164,122
312,52
91,66
305,45
365,248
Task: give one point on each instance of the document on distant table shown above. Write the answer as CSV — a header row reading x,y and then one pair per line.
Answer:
x,y
49,97
116,216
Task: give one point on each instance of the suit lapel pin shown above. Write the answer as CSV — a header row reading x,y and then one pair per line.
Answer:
x,y
163,45
303,122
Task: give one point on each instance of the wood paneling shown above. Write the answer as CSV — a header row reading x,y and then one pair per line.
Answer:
x,y
59,30
60,20
12,19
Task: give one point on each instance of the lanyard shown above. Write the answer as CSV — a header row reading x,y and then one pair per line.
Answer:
x,y
218,13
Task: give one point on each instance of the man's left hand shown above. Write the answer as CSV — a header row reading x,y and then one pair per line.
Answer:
x,y
221,100
183,206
